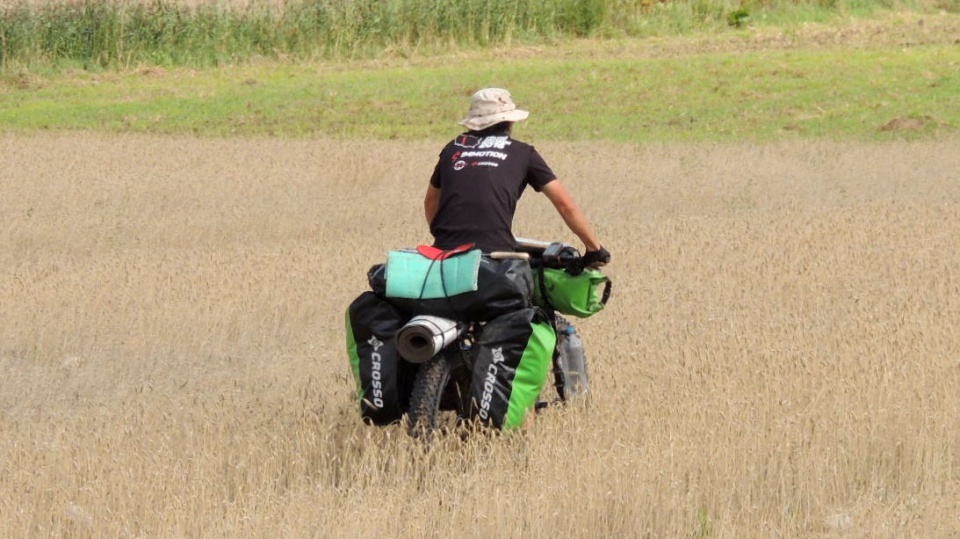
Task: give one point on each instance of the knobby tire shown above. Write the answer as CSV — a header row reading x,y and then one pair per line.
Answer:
x,y
424,413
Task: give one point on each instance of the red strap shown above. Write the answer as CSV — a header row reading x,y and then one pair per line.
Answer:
x,y
434,253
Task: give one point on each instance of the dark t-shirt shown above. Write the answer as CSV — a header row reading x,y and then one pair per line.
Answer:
x,y
481,177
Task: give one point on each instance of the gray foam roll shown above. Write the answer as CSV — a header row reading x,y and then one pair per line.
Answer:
x,y
424,336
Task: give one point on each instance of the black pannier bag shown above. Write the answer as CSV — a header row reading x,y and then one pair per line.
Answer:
x,y
512,358
503,286
383,378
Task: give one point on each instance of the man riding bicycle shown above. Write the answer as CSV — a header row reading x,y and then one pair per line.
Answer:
x,y
480,176
469,324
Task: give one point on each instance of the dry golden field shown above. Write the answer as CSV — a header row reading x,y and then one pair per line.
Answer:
x,y
781,357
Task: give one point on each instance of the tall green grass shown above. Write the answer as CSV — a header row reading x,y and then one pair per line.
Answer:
x,y
98,34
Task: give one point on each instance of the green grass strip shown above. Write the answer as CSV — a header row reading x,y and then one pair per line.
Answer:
x,y
754,96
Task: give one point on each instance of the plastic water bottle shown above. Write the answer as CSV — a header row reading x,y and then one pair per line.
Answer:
x,y
573,365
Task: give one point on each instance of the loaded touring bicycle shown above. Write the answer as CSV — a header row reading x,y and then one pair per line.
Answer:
x,y
444,337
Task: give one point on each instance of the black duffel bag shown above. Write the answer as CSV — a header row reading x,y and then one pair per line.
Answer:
x,y
503,286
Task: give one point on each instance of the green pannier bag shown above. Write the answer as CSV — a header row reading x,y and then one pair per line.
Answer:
x,y
576,295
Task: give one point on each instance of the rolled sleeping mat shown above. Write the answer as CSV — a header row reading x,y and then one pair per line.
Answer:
x,y
423,336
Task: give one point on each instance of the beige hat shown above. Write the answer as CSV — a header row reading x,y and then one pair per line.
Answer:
x,y
491,106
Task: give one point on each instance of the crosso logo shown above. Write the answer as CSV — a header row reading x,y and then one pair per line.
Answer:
x,y
490,382
376,364
459,165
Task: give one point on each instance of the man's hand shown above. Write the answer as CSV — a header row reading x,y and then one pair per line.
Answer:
x,y
595,259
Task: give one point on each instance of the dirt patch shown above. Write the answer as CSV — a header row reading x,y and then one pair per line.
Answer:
x,y
901,29
21,81
910,123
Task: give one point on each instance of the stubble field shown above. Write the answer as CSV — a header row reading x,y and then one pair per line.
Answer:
x,y
781,357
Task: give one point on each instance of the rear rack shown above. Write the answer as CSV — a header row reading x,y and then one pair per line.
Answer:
x,y
506,255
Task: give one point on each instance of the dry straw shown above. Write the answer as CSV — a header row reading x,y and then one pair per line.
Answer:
x,y
780,358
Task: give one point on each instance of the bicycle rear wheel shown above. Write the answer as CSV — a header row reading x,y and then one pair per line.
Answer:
x,y
435,395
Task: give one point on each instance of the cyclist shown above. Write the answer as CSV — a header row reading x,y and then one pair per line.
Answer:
x,y
480,176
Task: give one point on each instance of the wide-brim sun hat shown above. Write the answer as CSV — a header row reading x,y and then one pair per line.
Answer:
x,y
491,106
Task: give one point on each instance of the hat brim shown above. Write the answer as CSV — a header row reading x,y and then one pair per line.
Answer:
x,y
479,123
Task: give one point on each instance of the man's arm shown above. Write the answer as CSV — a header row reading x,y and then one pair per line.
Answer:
x,y
431,203
571,213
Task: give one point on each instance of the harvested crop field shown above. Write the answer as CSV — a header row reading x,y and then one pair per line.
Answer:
x,y
781,357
